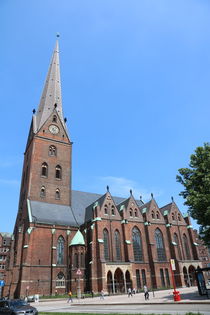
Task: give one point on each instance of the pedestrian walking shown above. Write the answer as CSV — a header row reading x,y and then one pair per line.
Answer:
x,y
129,292
146,293
102,295
70,297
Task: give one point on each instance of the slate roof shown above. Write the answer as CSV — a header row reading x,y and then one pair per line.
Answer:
x,y
47,213
51,93
77,214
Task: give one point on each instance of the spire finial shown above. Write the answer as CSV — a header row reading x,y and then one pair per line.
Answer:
x,y
57,35
34,111
107,188
172,198
131,191
152,195
140,197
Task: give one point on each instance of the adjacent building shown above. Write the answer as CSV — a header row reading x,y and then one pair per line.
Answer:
x,y
5,244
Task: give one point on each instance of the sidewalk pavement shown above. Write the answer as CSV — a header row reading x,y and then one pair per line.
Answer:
x,y
188,296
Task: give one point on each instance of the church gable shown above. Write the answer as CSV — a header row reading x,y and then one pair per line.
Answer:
x,y
54,129
175,215
154,214
130,210
108,209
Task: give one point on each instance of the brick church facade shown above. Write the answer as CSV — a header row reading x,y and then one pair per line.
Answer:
x,y
66,239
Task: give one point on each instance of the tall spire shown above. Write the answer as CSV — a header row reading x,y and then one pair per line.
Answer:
x,y
51,94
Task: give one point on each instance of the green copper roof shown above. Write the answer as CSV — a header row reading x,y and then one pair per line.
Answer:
x,y
78,239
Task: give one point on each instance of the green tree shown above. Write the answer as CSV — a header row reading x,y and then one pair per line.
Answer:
x,y
196,181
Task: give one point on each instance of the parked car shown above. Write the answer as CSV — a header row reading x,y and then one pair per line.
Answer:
x,y
16,307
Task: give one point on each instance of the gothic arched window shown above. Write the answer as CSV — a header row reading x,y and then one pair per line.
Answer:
x,y
117,245
82,260
173,216
42,192
76,260
60,251
44,171
57,194
52,150
157,215
58,172
105,209
113,211
186,247
176,240
161,255
106,244
137,245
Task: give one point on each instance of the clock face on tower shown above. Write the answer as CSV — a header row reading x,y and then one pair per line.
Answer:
x,y
53,129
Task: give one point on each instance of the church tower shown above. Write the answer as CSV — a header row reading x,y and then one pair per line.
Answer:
x,y
45,220
47,165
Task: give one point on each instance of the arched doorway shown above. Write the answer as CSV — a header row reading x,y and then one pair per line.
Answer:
x,y
185,276
128,280
192,277
109,282
119,281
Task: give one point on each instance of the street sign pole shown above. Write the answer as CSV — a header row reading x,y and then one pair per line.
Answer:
x,y
78,284
176,294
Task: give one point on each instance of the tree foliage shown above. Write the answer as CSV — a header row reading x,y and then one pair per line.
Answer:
x,y
196,182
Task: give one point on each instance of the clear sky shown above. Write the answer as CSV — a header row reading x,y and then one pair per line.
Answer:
x,y
135,85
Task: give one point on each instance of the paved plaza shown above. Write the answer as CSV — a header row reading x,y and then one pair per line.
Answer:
x,y
161,302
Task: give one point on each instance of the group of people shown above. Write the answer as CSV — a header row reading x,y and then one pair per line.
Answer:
x,y
130,293
146,292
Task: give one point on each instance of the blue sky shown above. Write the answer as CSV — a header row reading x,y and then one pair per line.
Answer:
x,y
135,85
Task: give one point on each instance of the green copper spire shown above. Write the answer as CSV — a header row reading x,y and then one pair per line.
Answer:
x,y
78,239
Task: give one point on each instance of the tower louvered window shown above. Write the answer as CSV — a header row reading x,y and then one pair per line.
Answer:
x,y
57,194
44,171
60,251
42,192
106,245
58,172
137,245
117,245
161,255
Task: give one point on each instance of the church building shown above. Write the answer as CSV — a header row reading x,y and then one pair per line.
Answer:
x,y
66,239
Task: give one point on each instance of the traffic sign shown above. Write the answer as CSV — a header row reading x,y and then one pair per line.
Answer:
x,y
173,267
2,283
79,272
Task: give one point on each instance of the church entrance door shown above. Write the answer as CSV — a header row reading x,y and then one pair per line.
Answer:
x,y
119,281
